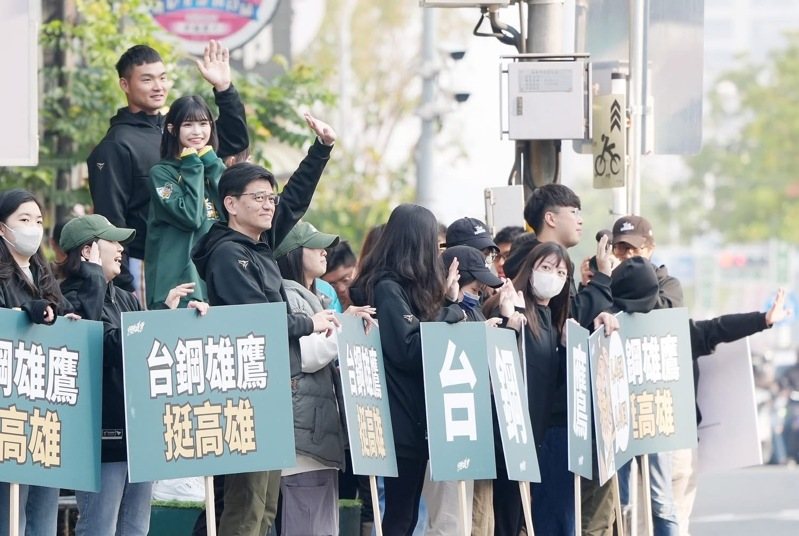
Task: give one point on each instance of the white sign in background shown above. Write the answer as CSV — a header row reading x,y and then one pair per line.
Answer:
x,y
728,436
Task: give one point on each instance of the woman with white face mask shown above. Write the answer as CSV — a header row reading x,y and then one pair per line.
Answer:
x,y
542,281
26,281
27,284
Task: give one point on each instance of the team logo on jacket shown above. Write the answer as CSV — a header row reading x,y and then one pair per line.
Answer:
x,y
244,263
100,165
164,192
409,318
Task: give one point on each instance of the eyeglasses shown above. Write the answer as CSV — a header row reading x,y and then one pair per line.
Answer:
x,y
261,197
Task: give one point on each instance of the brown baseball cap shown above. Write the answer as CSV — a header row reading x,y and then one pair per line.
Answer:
x,y
633,230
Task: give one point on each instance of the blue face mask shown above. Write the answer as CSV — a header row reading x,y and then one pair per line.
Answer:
x,y
470,301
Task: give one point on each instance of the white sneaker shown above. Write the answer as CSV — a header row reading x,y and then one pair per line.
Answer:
x,y
180,489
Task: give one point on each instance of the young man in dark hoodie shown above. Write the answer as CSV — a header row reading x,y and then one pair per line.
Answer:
x,y
235,259
553,211
119,166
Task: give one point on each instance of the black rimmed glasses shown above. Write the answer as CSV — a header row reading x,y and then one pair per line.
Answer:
x,y
262,197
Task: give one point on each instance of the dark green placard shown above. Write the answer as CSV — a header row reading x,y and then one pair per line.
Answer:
x,y
50,378
458,401
207,395
363,382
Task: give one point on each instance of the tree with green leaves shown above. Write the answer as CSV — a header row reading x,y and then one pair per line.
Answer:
x,y
81,40
745,182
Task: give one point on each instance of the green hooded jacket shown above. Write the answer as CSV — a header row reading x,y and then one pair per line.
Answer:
x,y
184,204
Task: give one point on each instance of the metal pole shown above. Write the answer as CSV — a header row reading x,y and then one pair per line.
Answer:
x,y
378,519
636,102
544,35
424,157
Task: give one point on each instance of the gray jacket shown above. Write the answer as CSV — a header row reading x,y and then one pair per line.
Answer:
x,y
318,428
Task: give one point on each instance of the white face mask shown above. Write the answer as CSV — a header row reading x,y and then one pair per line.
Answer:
x,y
27,239
547,285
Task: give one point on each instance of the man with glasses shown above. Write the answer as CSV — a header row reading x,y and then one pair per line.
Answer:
x,y
235,259
553,211
503,240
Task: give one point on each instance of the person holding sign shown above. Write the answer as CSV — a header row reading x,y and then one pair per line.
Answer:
x,y
542,281
94,258
319,436
403,276
235,259
636,289
27,284
475,278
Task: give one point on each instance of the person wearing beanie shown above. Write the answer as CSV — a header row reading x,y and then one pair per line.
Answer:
x,y
634,284
637,288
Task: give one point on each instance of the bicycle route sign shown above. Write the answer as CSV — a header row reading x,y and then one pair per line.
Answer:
x,y
609,145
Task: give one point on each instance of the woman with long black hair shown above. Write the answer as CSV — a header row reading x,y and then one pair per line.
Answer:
x,y
404,278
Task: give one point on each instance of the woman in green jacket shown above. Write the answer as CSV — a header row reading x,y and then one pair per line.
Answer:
x,y
185,200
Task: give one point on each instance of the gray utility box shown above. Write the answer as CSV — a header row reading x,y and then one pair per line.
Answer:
x,y
546,98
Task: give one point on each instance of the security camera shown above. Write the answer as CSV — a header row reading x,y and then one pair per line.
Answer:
x,y
457,55
461,96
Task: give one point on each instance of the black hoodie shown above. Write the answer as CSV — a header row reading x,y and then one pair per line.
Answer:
x,y
119,166
401,340
239,270
633,292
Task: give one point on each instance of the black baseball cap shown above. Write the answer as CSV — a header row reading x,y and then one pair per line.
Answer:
x,y
472,261
469,232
